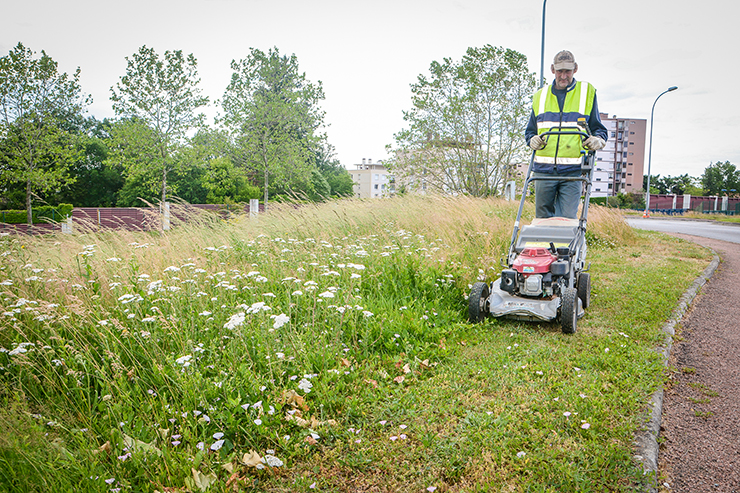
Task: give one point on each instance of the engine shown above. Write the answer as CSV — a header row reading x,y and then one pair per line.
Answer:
x,y
532,272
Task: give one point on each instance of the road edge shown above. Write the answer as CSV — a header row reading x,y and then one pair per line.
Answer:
x,y
646,440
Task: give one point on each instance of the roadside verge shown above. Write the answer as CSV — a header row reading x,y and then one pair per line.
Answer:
x,y
646,440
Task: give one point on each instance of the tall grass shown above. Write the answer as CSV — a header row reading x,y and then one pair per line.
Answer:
x,y
272,354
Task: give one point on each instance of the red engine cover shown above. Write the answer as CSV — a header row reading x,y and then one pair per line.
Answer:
x,y
534,261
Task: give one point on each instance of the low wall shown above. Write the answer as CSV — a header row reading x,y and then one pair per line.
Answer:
x,y
128,218
689,202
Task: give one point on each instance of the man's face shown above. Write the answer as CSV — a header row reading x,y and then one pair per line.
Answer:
x,y
563,78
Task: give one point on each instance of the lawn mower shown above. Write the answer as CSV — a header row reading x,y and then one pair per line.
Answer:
x,y
544,276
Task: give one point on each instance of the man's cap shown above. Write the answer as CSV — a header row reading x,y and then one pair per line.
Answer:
x,y
564,61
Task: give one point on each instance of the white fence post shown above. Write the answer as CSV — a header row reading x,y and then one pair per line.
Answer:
x,y
510,190
67,225
254,207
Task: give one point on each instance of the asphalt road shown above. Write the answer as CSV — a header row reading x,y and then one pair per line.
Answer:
x,y
708,229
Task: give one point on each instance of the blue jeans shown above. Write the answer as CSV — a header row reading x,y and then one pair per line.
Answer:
x,y
556,198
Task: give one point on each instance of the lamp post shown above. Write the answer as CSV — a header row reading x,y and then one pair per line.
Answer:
x,y
650,150
542,49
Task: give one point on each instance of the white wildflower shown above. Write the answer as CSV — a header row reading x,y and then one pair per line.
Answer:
x,y
280,320
235,321
305,385
184,360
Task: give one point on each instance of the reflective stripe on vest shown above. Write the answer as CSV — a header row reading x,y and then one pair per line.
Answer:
x,y
562,149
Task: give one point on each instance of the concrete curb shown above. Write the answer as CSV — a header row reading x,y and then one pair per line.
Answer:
x,y
646,440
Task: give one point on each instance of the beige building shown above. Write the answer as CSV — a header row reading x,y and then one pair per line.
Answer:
x,y
372,181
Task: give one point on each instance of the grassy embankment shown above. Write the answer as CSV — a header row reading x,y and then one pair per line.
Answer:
x,y
323,349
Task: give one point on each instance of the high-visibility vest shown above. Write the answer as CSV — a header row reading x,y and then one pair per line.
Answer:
x,y
562,149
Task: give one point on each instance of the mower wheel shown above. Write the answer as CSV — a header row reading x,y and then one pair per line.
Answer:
x,y
584,288
569,310
478,302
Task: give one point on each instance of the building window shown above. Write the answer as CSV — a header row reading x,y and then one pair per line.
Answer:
x,y
376,177
375,186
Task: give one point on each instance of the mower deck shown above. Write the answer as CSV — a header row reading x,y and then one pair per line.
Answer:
x,y
503,304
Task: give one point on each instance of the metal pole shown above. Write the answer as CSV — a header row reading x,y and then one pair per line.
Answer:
x,y
650,148
542,49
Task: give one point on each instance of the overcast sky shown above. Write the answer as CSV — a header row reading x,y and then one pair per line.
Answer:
x,y
367,54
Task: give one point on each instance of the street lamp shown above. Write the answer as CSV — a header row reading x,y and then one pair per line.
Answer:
x,y
542,49
650,150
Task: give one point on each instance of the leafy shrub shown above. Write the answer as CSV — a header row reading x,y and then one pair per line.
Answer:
x,y
41,214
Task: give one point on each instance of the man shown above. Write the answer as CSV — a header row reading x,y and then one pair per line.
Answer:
x,y
558,107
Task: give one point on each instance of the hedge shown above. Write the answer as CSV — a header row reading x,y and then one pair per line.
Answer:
x,y
43,214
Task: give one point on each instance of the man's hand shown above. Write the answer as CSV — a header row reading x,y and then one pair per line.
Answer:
x,y
594,143
536,143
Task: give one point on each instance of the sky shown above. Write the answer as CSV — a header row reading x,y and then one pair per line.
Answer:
x,y
367,54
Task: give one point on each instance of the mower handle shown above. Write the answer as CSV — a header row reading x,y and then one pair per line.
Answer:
x,y
582,134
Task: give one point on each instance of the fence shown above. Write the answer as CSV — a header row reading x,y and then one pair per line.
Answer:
x,y
682,203
131,218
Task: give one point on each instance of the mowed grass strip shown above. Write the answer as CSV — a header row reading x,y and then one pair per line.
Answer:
x,y
324,348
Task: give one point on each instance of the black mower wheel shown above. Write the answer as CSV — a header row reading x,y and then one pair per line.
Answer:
x,y
478,302
569,310
584,288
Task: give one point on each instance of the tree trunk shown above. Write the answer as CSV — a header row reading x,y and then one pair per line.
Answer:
x,y
267,179
164,185
164,198
29,209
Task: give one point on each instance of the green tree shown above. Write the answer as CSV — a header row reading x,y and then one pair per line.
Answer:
x,y
336,176
36,104
160,98
222,181
226,183
656,184
679,185
133,147
466,124
96,181
273,113
721,178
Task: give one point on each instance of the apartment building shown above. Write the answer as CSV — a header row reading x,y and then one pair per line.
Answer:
x,y
619,166
372,180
